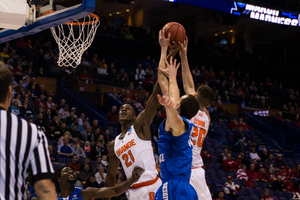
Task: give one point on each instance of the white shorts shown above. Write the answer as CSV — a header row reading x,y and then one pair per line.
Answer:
x,y
144,193
198,181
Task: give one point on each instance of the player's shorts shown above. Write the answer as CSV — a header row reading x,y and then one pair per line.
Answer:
x,y
176,189
198,181
145,192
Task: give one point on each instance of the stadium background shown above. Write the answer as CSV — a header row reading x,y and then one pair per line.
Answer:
x,y
252,66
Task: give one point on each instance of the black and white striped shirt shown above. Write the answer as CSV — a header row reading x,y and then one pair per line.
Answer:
x,y
22,147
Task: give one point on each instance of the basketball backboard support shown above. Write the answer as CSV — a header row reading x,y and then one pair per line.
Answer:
x,y
47,21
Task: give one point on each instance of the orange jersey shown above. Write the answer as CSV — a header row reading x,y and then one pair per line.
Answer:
x,y
201,123
134,152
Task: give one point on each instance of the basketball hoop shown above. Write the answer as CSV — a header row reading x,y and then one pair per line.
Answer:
x,y
73,44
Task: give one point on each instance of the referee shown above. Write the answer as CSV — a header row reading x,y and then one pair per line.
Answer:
x,y
23,148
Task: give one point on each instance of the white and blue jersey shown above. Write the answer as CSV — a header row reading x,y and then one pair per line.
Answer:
x,y
175,156
75,195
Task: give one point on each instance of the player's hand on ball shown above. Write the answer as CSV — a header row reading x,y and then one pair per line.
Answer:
x,y
165,101
183,47
137,173
173,50
163,41
171,70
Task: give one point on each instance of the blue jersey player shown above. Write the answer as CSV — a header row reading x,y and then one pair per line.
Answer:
x,y
65,179
175,144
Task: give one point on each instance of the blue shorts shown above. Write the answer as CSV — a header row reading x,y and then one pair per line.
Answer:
x,y
176,189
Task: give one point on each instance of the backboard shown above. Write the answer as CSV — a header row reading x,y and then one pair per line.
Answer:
x,y
44,14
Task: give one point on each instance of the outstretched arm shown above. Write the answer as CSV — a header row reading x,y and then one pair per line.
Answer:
x,y
114,163
187,78
108,192
164,43
145,118
174,122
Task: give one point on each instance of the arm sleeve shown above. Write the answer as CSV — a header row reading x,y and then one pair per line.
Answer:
x,y
40,163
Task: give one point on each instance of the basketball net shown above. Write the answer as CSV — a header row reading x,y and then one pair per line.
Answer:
x,y
72,43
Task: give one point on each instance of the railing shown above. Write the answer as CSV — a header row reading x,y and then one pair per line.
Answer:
x,y
76,95
292,134
212,186
267,130
296,149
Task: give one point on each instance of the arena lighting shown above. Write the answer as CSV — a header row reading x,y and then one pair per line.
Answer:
x,y
266,14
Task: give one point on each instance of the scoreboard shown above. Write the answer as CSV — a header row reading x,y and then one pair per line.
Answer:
x,y
247,10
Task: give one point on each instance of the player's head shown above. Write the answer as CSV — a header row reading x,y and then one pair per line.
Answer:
x,y
188,106
205,95
127,112
5,85
64,176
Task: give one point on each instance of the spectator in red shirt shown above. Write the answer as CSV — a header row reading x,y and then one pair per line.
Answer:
x,y
18,70
266,195
289,186
233,124
252,174
281,173
235,187
128,97
280,117
229,164
296,172
296,121
243,124
271,175
262,175
221,196
268,82
74,164
41,102
206,156
231,76
21,44
289,171
85,77
112,116
239,162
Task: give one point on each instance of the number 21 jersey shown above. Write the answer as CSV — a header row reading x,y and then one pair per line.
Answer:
x,y
201,125
134,152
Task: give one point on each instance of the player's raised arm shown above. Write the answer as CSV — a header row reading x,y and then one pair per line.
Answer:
x,y
174,122
114,163
145,118
187,78
164,44
108,192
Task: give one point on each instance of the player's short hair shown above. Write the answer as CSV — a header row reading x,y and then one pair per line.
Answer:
x,y
5,81
189,107
131,103
57,174
205,95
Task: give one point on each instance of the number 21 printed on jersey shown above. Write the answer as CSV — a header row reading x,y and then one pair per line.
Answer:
x,y
129,159
201,133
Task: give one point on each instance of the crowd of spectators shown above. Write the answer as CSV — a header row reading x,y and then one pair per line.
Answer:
x,y
248,171
84,147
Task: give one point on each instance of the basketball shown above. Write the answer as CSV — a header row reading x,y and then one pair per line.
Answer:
x,y
177,32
